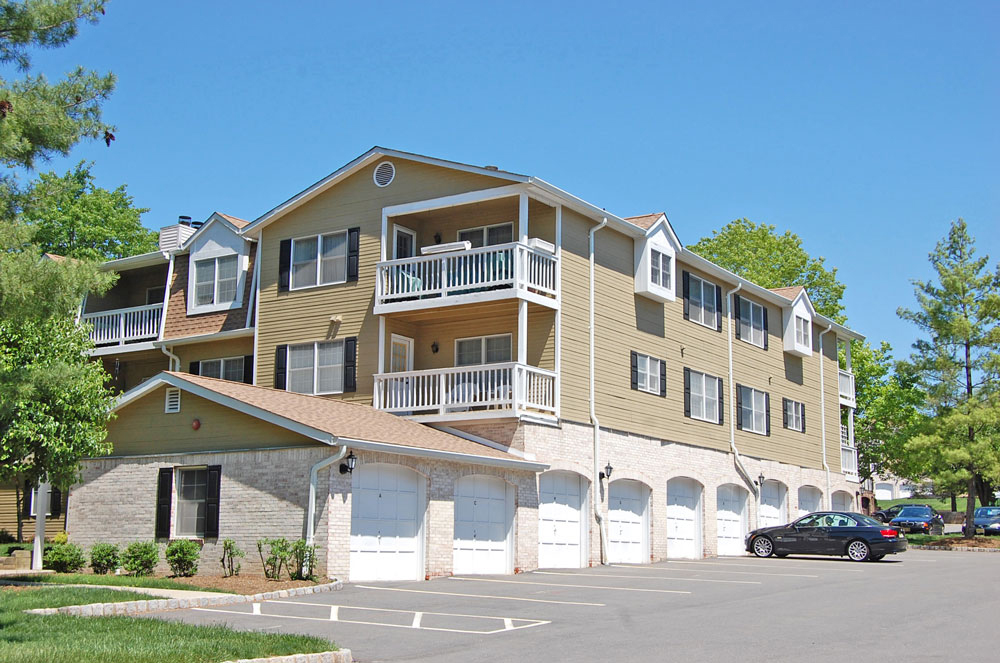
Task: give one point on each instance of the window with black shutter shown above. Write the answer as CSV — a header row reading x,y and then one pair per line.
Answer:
x,y
164,498
353,253
284,264
280,366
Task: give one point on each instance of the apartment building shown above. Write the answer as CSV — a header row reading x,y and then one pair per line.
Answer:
x,y
458,369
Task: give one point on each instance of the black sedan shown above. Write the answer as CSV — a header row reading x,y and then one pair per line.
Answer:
x,y
828,533
887,514
919,520
987,520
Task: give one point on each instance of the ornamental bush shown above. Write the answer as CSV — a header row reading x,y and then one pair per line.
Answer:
x,y
104,558
140,557
278,554
302,562
64,558
230,553
182,556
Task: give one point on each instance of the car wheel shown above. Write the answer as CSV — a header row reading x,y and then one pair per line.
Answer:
x,y
763,546
858,551
876,558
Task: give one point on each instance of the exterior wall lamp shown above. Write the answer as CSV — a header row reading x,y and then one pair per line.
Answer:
x,y
434,347
606,474
348,467
760,480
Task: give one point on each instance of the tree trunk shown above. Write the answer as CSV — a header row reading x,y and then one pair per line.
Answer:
x,y
954,502
970,504
18,497
984,489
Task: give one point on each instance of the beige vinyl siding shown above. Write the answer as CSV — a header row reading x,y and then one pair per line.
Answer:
x,y
221,428
8,515
305,315
234,347
625,321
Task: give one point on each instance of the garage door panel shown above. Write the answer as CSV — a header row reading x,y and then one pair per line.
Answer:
x,y
386,514
481,525
560,530
730,515
684,518
626,522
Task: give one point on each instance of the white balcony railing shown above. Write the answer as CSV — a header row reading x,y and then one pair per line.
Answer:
x,y
504,266
849,461
124,325
846,388
508,389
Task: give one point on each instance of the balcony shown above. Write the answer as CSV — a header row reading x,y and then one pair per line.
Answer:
x,y
124,325
846,388
848,455
488,273
468,392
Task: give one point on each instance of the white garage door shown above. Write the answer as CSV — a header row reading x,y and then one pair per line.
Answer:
x,y
810,499
683,518
730,519
484,514
772,504
883,491
842,501
627,528
387,506
560,510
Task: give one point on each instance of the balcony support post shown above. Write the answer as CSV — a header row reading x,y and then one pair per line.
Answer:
x,y
558,321
522,218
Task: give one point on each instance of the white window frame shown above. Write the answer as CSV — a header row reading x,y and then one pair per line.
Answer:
x,y
485,232
31,504
652,373
215,282
222,366
706,378
315,365
656,267
402,230
317,259
803,332
749,321
176,504
482,349
793,413
753,410
702,284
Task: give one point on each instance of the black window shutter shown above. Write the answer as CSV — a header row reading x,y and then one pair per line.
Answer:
x,y
686,279
736,310
353,251
212,502
284,264
687,392
351,364
55,503
248,369
767,413
635,370
718,308
765,328
164,495
26,501
194,368
739,406
663,378
784,413
722,404
803,417
280,366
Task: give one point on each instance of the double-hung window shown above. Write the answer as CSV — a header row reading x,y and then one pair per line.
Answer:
x,y
703,396
316,368
483,350
319,260
229,368
215,280
794,415
803,337
192,489
501,233
659,268
187,502
752,322
701,301
753,410
55,502
648,374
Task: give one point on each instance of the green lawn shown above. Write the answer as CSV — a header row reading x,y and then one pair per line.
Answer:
x,y
924,539
117,581
63,639
941,504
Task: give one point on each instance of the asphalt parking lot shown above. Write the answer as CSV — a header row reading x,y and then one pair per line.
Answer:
x,y
921,605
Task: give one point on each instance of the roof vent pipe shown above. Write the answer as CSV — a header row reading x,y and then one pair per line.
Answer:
x,y
197,224
184,220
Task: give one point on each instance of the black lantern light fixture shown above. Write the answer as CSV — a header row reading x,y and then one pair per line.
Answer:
x,y
348,467
435,347
606,474
760,480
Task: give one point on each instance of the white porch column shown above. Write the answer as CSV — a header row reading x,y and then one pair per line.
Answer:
x,y
522,332
41,508
522,218
385,233
847,354
557,332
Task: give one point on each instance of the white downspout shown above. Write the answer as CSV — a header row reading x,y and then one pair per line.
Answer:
x,y
313,486
732,402
166,298
822,418
596,485
173,360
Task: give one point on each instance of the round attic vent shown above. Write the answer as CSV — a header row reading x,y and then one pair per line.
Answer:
x,y
385,172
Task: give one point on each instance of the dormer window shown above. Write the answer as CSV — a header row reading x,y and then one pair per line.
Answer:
x,y
803,337
659,269
797,328
215,280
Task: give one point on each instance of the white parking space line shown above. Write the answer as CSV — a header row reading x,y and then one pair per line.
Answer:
x,y
777,565
417,616
560,584
481,596
742,573
646,577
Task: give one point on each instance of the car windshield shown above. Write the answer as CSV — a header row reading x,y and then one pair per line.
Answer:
x,y
988,512
915,512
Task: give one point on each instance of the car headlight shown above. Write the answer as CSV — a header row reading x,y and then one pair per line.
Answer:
x,y
994,526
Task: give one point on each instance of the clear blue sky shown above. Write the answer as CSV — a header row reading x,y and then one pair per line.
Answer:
x,y
863,127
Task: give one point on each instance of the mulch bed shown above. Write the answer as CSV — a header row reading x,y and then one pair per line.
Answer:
x,y
959,542
245,584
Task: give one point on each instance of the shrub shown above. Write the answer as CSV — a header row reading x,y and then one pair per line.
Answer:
x,y
140,557
182,556
61,537
7,537
104,558
302,562
64,558
230,553
278,554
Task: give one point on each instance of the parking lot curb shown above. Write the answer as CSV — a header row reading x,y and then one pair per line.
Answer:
x,y
130,608
957,549
342,656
